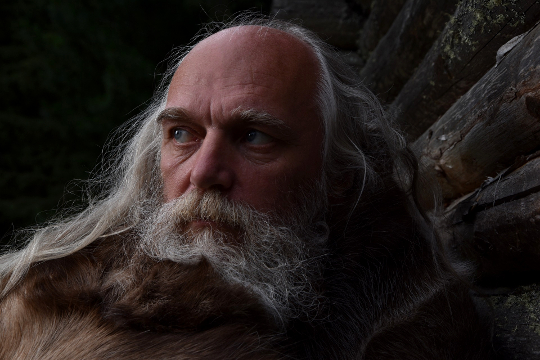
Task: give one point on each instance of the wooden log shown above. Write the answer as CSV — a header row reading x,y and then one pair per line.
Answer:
x,y
498,226
489,126
464,52
515,319
404,46
382,15
337,22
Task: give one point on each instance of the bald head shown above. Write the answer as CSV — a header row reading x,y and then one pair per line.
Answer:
x,y
257,56
260,43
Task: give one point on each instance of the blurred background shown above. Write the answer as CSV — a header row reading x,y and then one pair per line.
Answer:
x,y
73,71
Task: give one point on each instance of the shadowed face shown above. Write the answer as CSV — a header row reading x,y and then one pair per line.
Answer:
x,y
241,118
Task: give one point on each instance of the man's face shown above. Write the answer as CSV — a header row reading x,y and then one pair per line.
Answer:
x,y
241,119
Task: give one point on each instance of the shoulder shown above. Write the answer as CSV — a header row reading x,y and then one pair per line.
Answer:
x,y
444,326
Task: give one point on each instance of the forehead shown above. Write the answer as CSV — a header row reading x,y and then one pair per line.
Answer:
x,y
255,46
262,67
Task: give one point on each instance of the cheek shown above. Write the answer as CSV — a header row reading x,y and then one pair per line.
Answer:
x,y
257,186
275,187
172,175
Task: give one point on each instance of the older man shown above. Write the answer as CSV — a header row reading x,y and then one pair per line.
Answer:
x,y
262,210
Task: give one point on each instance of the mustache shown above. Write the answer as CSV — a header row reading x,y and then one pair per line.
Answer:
x,y
210,206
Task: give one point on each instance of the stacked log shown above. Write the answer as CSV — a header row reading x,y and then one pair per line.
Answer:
x,y
516,321
463,80
488,127
381,17
337,22
404,46
499,226
483,151
464,52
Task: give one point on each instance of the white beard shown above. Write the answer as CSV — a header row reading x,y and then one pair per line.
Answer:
x,y
278,259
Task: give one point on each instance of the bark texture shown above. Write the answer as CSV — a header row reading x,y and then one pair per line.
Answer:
x,y
515,322
382,15
465,51
499,226
489,126
337,22
399,52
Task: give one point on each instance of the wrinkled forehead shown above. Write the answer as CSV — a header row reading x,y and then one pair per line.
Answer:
x,y
252,51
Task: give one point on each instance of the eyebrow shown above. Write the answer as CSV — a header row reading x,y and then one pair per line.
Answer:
x,y
250,116
174,113
256,117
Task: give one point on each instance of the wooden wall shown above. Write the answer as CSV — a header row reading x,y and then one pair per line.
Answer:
x,y
463,78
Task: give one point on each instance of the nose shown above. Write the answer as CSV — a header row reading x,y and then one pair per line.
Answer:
x,y
213,164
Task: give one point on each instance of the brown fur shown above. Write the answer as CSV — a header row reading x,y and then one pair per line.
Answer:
x,y
388,294
97,304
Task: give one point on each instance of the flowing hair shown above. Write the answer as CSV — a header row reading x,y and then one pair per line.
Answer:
x,y
361,149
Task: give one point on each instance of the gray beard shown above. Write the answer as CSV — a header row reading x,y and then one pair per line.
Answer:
x,y
277,258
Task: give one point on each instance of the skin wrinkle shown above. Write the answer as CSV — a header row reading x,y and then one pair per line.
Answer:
x,y
250,116
240,78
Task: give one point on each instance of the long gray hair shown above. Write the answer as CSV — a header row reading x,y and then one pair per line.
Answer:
x,y
360,144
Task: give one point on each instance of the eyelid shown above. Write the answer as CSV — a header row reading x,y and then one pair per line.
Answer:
x,y
266,138
168,124
192,136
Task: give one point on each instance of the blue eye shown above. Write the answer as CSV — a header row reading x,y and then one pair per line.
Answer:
x,y
182,136
255,137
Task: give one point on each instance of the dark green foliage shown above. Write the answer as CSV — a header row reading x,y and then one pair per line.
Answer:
x,y
71,72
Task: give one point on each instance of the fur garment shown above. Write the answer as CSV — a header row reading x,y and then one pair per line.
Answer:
x,y
105,302
388,295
